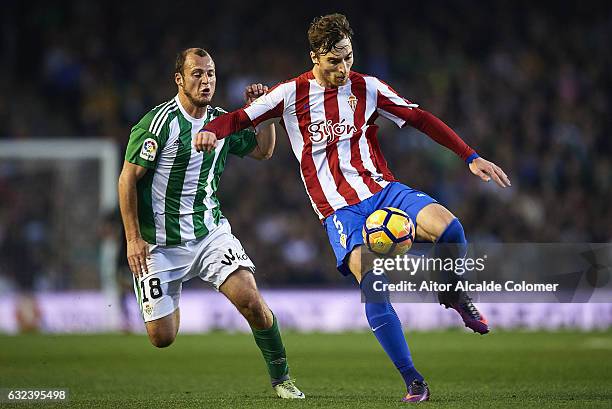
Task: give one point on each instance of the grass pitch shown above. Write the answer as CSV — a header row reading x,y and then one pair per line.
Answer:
x,y
504,369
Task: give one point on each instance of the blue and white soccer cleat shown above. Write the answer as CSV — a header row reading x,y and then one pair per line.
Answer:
x,y
288,390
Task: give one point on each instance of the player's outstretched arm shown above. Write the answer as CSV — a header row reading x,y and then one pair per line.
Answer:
x,y
137,248
267,106
437,130
219,128
397,109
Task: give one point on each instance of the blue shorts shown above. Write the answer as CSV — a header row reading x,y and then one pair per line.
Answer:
x,y
344,226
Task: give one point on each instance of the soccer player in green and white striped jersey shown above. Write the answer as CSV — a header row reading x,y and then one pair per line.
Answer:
x,y
173,222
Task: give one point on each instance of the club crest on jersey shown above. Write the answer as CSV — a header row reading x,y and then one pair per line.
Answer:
x,y
328,130
352,101
148,150
148,309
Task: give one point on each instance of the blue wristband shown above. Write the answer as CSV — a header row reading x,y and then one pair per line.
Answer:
x,y
471,158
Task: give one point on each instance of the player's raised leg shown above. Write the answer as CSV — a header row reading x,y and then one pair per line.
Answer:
x,y
385,324
241,290
437,224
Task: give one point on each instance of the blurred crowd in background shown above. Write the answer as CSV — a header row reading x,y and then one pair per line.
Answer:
x,y
528,86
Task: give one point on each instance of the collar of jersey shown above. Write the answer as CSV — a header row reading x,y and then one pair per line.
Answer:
x,y
189,117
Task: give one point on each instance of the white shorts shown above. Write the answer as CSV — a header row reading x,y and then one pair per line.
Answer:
x,y
212,258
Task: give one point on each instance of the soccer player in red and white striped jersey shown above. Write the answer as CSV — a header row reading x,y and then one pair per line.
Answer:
x,y
330,115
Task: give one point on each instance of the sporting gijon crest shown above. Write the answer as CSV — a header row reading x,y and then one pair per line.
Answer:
x,y
352,102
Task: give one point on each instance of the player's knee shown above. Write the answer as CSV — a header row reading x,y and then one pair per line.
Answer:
x,y
161,336
256,308
453,233
359,262
162,340
255,311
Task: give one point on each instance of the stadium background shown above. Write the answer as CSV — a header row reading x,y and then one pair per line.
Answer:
x,y
529,85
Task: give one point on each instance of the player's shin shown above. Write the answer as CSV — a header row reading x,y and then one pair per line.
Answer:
x,y
271,345
387,327
451,244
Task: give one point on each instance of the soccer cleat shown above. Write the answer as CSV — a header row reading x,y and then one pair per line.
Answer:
x,y
418,391
462,303
288,390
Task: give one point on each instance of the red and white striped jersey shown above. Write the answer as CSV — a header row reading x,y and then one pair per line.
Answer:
x,y
333,134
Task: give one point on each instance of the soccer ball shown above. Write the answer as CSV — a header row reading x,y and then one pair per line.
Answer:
x,y
388,232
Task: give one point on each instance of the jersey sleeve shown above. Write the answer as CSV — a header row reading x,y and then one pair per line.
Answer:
x,y
392,106
242,143
143,148
270,105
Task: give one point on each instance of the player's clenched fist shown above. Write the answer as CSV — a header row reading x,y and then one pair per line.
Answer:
x,y
205,141
254,91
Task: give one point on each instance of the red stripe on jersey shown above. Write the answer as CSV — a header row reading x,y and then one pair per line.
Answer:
x,y
309,171
375,152
358,89
330,102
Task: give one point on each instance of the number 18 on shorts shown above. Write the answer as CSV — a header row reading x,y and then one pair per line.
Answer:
x,y
212,258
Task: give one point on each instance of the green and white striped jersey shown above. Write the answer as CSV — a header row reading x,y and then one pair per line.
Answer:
x,y
177,199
